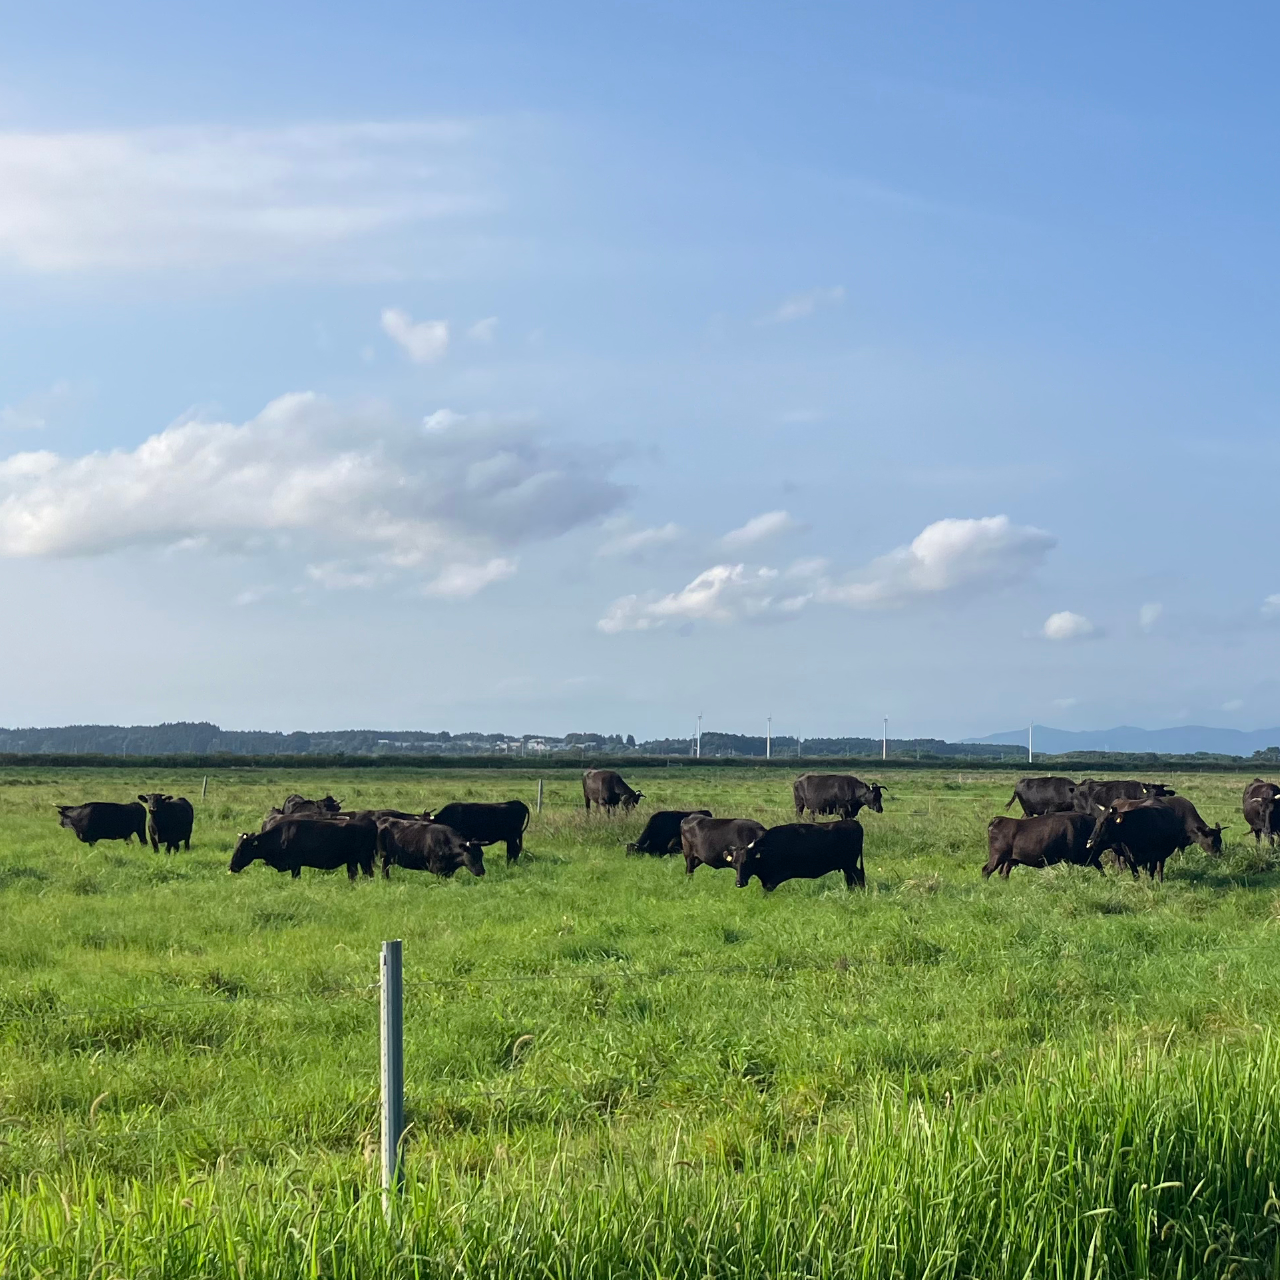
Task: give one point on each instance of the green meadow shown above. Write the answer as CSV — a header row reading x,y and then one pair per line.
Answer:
x,y
616,1070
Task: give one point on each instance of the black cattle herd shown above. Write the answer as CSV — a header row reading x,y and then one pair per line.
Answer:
x,y
1143,824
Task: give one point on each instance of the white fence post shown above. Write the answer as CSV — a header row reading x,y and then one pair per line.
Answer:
x,y
391,973
539,795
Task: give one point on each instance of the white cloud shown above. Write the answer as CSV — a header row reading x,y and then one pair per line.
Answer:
x,y
423,342
1066,625
484,330
1065,703
1271,606
1149,615
800,305
723,593
1235,704
461,581
759,529
362,496
948,558
34,412
214,197
626,541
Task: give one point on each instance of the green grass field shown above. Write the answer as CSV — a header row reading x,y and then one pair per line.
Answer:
x,y
614,1070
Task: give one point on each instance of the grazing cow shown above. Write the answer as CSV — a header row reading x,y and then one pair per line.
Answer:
x,y
169,821
1091,795
104,820
710,842
661,834
426,846
1194,828
839,793
305,808
489,823
606,790
803,851
295,843
1039,841
1039,796
1262,810
1145,834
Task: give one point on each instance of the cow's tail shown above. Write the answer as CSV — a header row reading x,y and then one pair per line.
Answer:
x,y
524,826
1012,798
383,849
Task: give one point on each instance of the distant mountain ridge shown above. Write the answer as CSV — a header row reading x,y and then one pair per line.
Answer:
x,y
1183,740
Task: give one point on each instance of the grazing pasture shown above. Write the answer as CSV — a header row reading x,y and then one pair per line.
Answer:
x,y
616,1069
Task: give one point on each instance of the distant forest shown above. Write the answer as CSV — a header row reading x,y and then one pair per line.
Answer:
x,y
205,739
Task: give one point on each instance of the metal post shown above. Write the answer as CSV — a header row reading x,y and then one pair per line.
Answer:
x,y
539,795
768,737
391,973
884,742
1031,728
698,739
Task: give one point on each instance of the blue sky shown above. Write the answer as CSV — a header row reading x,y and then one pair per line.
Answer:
x,y
591,366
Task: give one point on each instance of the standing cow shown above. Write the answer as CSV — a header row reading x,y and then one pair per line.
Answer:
x,y
606,790
169,821
505,820
803,851
104,820
1145,833
711,842
839,793
304,808
1039,841
1262,810
1044,795
426,846
1092,796
295,843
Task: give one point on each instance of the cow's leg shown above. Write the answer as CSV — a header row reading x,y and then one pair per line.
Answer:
x,y
514,849
296,872
353,870
690,864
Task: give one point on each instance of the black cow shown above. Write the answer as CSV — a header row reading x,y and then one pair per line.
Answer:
x,y
489,823
305,808
1195,829
426,846
803,851
710,842
661,834
1262,810
839,793
1145,834
1039,841
310,842
1044,795
1091,795
606,790
104,820
169,821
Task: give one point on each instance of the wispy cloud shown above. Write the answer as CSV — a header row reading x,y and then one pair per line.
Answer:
x,y
800,305
423,341
624,540
759,529
483,330
213,197
948,558
1149,615
36,411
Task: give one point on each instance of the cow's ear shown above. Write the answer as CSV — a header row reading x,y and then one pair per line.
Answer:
x,y
142,797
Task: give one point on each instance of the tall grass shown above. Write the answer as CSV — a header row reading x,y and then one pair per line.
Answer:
x,y
615,1069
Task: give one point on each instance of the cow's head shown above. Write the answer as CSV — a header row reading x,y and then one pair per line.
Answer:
x,y
247,850
632,799
1210,838
153,800
1154,790
329,805
64,815
874,798
473,857
1108,830
746,862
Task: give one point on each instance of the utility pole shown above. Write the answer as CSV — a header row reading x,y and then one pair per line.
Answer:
x,y
884,742
768,736
1031,728
697,740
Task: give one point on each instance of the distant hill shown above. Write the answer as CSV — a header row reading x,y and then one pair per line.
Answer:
x,y
1184,740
